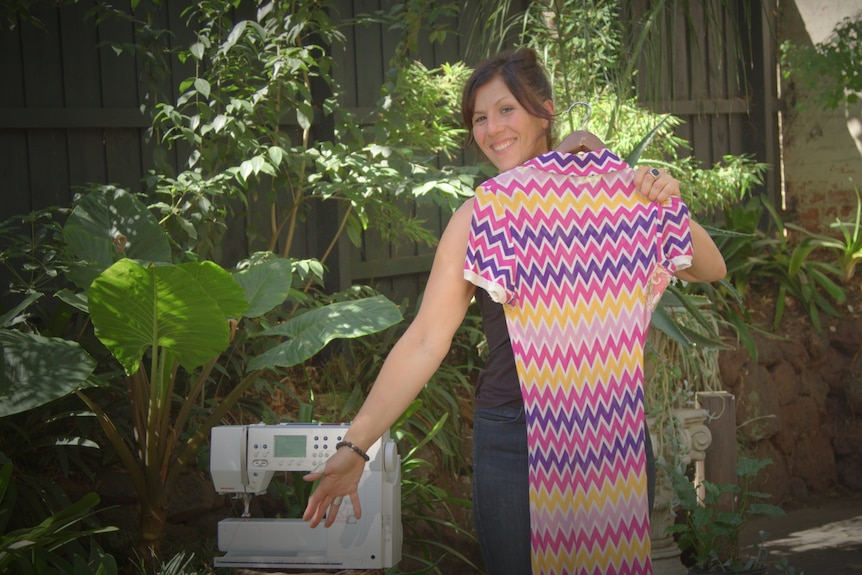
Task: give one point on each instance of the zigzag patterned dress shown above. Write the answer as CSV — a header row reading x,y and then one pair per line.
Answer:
x,y
580,259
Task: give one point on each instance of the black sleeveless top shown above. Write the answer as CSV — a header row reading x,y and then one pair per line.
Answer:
x,y
498,382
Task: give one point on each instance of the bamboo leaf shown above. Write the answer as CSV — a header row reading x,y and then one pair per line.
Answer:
x,y
635,154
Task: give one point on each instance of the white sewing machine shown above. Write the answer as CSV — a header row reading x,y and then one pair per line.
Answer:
x,y
244,459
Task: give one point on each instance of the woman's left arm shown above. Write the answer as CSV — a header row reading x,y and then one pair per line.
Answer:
x,y
707,263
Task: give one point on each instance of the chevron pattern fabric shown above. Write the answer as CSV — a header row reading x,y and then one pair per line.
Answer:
x,y
579,259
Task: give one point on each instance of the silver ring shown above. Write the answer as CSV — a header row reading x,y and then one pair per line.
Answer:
x,y
654,172
337,501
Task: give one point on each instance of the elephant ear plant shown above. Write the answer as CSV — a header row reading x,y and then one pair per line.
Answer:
x,y
168,324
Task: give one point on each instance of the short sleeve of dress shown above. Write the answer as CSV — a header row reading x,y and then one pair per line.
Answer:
x,y
674,248
490,254
675,235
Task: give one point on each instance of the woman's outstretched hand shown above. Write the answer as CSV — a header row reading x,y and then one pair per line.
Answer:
x,y
339,478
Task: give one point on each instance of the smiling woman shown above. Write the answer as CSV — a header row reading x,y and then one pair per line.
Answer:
x,y
560,482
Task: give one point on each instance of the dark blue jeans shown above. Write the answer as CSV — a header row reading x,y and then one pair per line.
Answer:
x,y
501,488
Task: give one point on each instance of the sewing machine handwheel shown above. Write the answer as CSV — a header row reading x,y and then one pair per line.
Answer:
x,y
390,456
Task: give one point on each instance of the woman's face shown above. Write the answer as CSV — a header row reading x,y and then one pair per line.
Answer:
x,y
506,133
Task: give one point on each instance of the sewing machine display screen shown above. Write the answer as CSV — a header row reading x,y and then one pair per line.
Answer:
x,y
289,446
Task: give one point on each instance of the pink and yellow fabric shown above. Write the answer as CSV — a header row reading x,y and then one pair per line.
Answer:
x,y
579,260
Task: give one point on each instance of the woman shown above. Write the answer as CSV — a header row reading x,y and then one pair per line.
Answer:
x,y
507,108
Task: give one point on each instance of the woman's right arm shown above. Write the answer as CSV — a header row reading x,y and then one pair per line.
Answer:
x,y
408,367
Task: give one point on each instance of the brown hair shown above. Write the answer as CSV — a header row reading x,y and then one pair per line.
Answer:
x,y
525,77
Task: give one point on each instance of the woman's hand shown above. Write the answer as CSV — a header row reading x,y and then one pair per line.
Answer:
x,y
655,185
339,478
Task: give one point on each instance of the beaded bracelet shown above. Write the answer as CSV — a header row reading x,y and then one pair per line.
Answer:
x,y
352,448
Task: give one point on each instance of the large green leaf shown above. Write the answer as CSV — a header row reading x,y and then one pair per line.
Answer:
x,y
219,284
35,370
136,308
266,282
109,224
310,332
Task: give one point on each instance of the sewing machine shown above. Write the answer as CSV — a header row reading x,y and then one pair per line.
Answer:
x,y
244,459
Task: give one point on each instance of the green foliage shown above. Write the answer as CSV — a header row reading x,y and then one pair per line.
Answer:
x,y
49,546
166,325
165,313
40,364
761,255
736,242
247,116
848,246
741,228
830,70
580,43
808,281
713,522
426,507
37,369
31,251
414,91
723,185
311,331
414,20
682,352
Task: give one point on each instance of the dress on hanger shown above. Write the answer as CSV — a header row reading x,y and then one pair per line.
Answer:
x,y
579,259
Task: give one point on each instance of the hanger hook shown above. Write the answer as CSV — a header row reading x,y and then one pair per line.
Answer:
x,y
586,117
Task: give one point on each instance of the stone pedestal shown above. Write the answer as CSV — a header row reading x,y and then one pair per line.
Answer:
x,y
693,437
